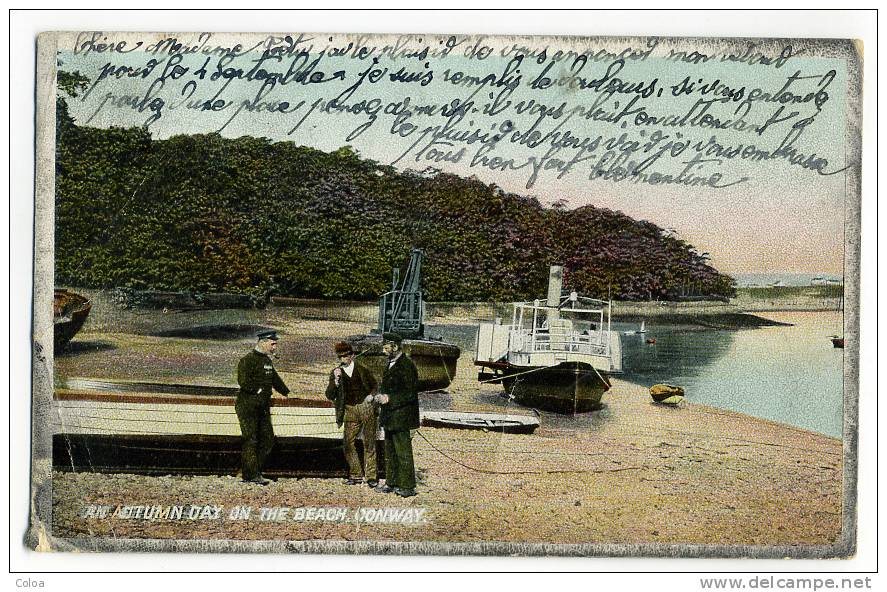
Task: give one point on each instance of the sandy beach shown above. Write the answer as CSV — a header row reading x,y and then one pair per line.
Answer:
x,y
633,472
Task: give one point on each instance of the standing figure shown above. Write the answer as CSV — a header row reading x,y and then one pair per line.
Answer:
x,y
352,388
399,400
257,377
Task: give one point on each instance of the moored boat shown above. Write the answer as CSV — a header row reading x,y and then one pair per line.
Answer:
x,y
69,313
402,311
556,354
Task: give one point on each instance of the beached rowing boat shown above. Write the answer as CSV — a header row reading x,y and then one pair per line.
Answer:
x,y
154,428
488,422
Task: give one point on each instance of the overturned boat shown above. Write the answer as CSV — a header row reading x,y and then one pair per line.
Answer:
x,y
402,311
69,311
556,354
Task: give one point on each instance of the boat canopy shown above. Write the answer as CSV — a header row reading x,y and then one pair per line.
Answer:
x,y
578,325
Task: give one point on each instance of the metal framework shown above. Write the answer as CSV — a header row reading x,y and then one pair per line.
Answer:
x,y
402,309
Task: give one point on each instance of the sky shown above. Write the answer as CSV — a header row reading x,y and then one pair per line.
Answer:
x,y
780,218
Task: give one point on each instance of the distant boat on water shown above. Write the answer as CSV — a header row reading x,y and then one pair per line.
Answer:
x,y
837,342
640,331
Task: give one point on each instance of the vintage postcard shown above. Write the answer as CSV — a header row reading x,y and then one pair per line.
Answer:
x,y
446,294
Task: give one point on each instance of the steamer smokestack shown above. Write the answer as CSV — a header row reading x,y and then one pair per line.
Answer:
x,y
555,285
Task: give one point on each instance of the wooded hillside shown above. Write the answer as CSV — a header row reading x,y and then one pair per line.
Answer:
x,y
206,213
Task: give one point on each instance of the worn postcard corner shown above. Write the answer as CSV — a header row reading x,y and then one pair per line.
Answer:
x,y
446,294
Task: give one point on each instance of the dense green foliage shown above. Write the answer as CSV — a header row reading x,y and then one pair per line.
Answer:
x,y
205,213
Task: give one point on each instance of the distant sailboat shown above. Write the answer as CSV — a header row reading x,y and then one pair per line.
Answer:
x,y
641,331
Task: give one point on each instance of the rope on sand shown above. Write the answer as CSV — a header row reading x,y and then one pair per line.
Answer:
x,y
551,472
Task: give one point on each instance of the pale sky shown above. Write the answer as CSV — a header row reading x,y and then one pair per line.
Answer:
x,y
783,218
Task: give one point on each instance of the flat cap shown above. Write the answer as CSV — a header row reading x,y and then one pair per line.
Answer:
x,y
268,334
343,348
392,337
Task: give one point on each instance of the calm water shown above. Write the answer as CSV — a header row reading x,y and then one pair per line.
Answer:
x,y
791,374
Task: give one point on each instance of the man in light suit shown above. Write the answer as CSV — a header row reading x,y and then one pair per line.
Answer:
x,y
352,387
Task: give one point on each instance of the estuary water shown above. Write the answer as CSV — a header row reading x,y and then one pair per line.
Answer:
x,y
790,374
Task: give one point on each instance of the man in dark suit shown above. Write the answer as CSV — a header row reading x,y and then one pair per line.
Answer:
x,y
351,387
399,400
257,377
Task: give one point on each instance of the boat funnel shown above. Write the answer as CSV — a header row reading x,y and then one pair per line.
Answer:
x,y
555,285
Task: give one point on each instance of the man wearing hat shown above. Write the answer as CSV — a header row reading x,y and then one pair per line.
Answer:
x,y
351,387
257,377
399,400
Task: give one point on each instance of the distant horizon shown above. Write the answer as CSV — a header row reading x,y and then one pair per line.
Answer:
x,y
788,278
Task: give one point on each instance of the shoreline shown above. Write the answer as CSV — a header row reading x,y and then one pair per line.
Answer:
x,y
739,313
634,472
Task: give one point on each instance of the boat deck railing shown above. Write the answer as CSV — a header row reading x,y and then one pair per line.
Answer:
x,y
538,341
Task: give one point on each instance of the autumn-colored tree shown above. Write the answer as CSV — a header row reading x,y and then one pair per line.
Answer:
x,y
248,215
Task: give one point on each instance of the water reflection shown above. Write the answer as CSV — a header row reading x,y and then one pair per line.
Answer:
x,y
789,374
678,354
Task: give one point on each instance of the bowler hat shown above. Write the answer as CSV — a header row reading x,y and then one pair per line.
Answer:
x,y
342,348
268,334
392,338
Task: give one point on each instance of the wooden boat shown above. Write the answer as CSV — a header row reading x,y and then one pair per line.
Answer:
x,y
490,422
435,360
154,428
837,342
667,394
402,311
69,312
556,354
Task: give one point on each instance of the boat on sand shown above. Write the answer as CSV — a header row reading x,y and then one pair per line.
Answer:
x,y
402,311
155,428
667,394
488,422
556,354
69,311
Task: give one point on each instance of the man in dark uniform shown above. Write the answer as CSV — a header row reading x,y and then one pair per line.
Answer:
x,y
399,400
257,377
351,387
